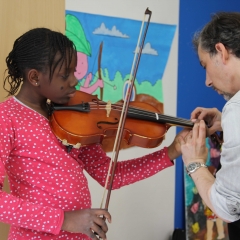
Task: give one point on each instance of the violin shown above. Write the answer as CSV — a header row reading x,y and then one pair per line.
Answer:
x,y
86,120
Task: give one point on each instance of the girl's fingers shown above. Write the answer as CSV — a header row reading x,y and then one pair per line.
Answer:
x,y
188,137
101,223
97,231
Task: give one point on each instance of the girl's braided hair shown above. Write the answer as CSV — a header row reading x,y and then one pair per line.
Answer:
x,y
36,49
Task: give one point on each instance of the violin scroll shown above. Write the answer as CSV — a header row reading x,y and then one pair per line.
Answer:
x,y
217,139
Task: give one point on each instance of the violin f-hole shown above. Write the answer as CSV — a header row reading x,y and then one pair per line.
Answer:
x,y
108,123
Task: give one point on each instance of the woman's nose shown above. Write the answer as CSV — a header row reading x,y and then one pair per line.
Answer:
x,y
208,82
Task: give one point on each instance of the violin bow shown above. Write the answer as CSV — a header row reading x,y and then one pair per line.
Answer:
x,y
122,120
99,68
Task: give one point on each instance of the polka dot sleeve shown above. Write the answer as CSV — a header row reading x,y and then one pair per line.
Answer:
x,y
17,211
127,172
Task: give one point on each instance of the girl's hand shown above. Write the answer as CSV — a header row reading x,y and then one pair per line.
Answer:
x,y
87,221
174,150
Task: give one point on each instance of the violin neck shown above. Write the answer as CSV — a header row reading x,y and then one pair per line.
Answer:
x,y
159,118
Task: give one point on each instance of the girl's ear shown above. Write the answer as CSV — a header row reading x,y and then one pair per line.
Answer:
x,y
32,77
223,51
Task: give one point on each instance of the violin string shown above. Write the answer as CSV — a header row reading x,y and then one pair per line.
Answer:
x,y
144,113
152,115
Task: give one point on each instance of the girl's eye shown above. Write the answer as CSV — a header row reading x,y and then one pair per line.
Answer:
x,y
65,76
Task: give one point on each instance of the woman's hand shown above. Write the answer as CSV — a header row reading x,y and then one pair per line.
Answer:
x,y
211,116
193,146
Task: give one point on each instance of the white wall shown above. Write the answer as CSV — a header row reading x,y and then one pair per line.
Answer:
x,y
144,210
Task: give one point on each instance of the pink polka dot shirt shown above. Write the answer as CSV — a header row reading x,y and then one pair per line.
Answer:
x,y
45,180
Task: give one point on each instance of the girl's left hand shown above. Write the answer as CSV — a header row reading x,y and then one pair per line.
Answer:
x,y
174,150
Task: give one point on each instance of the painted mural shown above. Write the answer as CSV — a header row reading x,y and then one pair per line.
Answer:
x,y
116,38
105,50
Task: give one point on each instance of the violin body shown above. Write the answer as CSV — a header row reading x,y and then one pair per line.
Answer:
x,y
101,120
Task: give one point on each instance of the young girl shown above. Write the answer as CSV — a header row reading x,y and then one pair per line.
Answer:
x,y
49,196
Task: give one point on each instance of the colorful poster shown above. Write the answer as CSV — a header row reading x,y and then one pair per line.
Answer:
x,y
106,47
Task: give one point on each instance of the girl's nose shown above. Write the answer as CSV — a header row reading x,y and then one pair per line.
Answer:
x,y
74,81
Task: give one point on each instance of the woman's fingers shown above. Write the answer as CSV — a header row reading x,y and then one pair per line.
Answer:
x,y
202,130
199,131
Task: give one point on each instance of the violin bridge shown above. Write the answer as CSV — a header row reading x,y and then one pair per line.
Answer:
x,y
65,143
108,108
